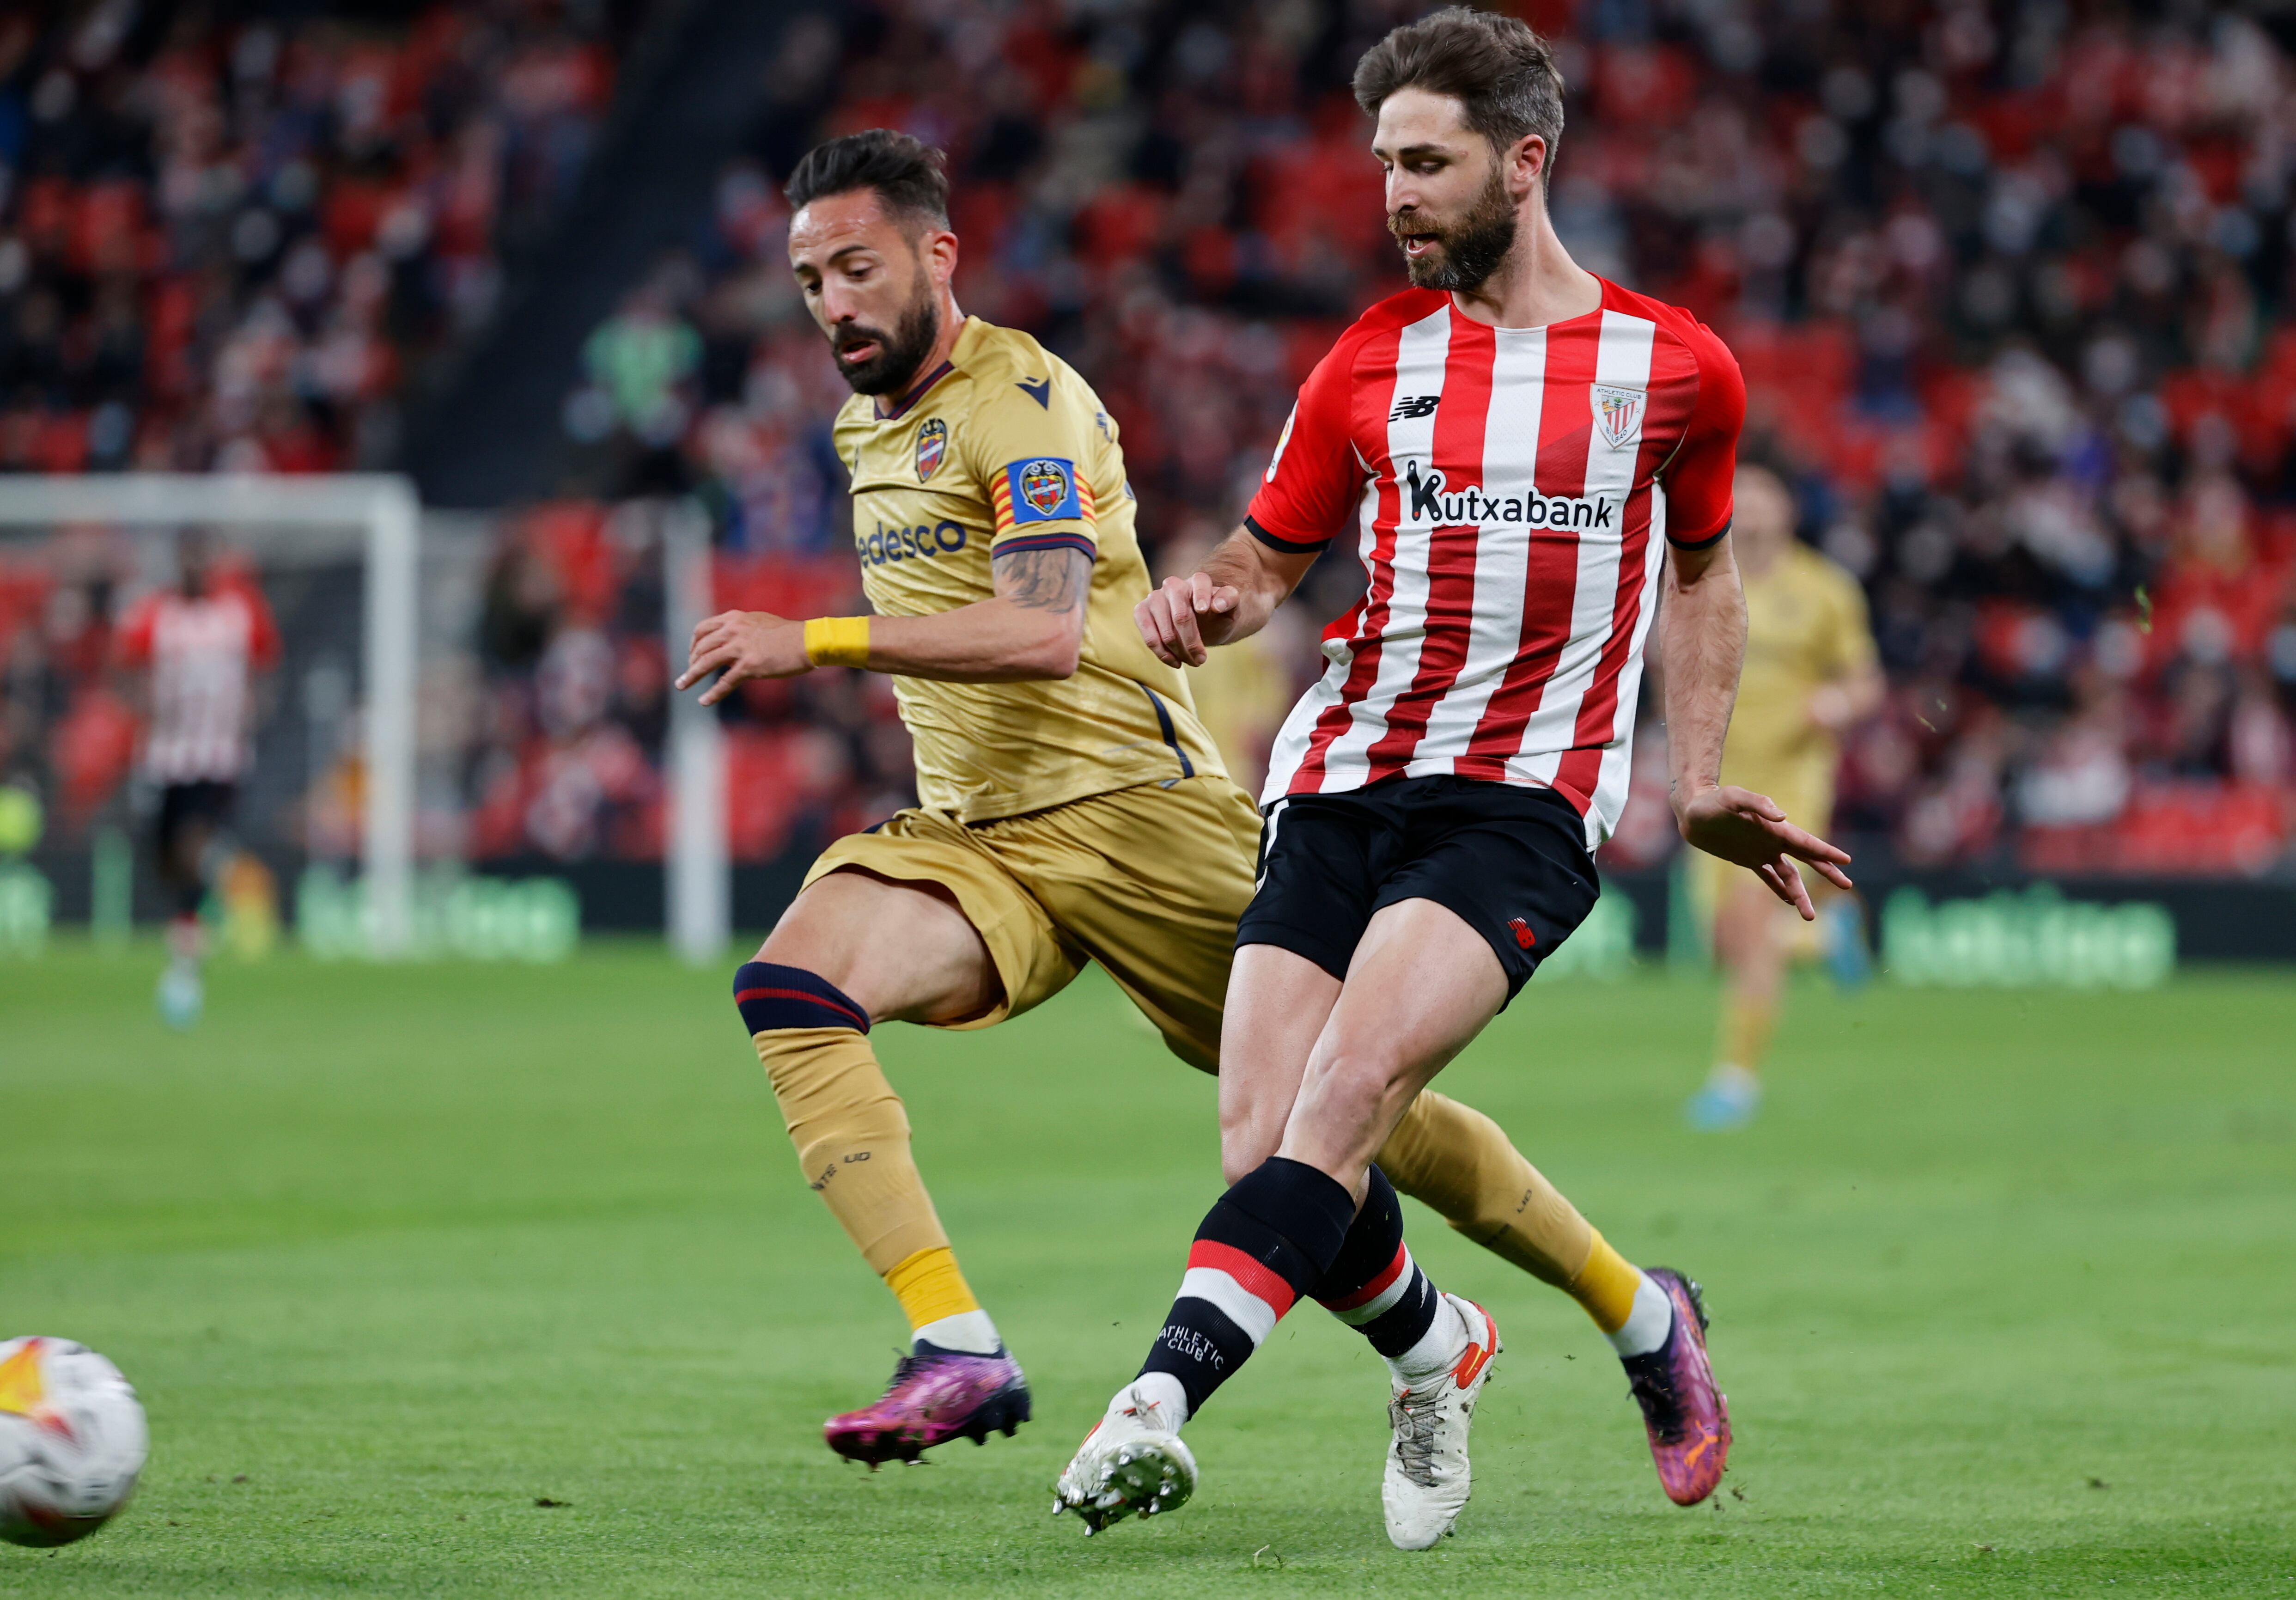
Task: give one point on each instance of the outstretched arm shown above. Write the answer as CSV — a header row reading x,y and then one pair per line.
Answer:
x,y
1702,645
1033,629
1241,585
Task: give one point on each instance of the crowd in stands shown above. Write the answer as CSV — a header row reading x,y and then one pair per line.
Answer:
x,y
2003,279
236,238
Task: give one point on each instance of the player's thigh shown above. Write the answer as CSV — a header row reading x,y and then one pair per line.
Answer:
x,y
1423,983
1150,882
904,950
1278,1002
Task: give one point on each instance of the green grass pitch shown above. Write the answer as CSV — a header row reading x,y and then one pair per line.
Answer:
x,y
2001,1282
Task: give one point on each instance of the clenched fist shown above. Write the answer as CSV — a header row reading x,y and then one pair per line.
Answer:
x,y
1184,616
747,645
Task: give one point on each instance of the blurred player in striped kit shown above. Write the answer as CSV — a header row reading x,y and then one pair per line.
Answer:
x,y
200,646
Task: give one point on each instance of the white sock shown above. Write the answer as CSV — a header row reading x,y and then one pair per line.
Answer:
x,y
1160,1390
971,1331
1648,1323
1439,1348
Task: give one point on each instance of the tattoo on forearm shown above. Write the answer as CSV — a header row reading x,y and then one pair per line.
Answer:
x,y
1045,580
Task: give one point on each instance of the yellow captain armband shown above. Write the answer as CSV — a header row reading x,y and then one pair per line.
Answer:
x,y
837,641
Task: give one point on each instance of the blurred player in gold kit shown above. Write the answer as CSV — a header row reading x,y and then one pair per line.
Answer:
x,y
1073,809
1810,673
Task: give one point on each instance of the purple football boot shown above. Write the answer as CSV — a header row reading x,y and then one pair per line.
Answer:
x,y
936,1395
1686,1416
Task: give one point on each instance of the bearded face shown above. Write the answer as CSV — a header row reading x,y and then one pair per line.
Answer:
x,y
878,362
1457,253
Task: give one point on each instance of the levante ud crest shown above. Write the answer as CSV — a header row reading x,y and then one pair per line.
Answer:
x,y
1044,486
1618,413
932,444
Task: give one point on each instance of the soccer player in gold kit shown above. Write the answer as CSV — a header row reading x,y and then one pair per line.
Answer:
x,y
1072,808
1810,673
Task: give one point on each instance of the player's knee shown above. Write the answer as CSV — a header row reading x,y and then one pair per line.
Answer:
x,y
773,997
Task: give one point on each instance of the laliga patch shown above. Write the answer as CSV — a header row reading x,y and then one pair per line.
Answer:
x,y
932,444
1618,413
1043,490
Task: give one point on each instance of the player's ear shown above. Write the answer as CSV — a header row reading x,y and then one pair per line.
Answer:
x,y
938,248
1526,164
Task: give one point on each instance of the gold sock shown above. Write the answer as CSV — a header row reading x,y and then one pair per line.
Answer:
x,y
930,1287
1459,1162
852,1139
1605,1285
1742,1039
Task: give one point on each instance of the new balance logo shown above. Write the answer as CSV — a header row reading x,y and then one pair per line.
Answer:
x,y
1523,937
1414,406
1473,508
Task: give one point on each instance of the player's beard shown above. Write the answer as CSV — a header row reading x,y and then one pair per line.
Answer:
x,y
900,354
1467,252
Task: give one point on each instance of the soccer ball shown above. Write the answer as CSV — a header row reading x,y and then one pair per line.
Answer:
x,y
72,1440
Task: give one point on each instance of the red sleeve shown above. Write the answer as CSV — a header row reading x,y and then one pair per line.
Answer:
x,y
1314,479
1698,478
133,643
262,632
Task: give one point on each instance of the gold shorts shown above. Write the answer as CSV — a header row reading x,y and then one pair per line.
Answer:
x,y
1807,800
1148,882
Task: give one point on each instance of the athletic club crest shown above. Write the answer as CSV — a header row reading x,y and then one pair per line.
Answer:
x,y
932,444
1618,415
1044,486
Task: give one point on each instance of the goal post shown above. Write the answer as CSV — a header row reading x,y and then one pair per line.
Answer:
x,y
384,510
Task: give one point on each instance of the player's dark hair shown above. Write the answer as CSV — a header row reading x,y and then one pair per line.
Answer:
x,y
910,177
1495,66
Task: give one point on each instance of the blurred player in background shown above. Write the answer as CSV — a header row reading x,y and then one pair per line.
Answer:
x,y
1811,671
1073,807
199,646
1527,455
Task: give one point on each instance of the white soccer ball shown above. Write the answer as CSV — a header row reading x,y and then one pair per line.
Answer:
x,y
72,1440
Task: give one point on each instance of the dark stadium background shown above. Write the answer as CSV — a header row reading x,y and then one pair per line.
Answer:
x,y
2006,280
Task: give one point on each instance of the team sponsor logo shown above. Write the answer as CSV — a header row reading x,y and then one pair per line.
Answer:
x,y
1427,504
909,543
1039,389
1414,406
1618,413
1043,489
932,444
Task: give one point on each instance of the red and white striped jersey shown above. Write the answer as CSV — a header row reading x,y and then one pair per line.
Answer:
x,y
200,653
1513,488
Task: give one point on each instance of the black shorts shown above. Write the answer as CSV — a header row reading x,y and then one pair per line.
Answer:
x,y
181,805
1512,861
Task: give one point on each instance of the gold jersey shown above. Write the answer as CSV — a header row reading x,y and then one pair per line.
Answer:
x,y
1805,628
1004,450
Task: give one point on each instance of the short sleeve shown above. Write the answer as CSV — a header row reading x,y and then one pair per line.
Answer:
x,y
1030,446
1698,503
1314,479
262,631
1849,644
133,643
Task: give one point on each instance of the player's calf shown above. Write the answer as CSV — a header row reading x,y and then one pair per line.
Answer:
x,y
852,1138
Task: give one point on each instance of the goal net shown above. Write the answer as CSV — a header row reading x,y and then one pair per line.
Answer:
x,y
329,772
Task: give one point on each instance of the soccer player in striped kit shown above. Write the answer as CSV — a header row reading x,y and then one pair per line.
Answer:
x,y
1530,456
201,646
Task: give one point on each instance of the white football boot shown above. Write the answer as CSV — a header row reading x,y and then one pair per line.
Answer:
x,y
1132,1461
1427,1481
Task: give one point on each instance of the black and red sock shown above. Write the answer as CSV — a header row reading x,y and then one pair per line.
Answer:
x,y
1264,1244
1375,1285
